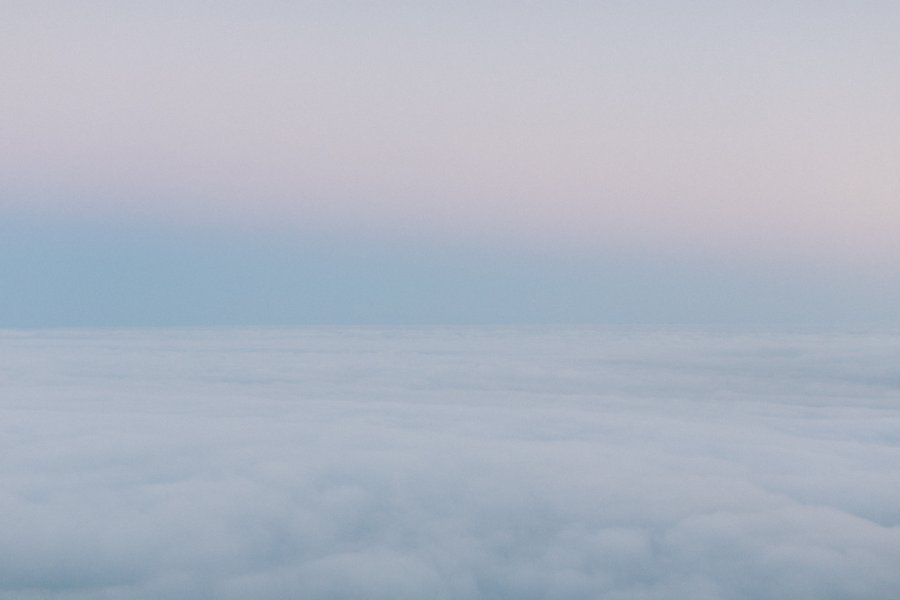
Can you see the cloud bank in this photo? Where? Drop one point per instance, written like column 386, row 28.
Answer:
column 449, row 463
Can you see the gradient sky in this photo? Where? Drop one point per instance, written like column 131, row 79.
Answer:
column 415, row 162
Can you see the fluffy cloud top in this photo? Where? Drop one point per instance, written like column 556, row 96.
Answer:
column 449, row 463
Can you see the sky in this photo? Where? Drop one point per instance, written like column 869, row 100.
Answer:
column 449, row 463
column 177, row 163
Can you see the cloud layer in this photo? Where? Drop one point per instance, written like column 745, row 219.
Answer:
column 449, row 463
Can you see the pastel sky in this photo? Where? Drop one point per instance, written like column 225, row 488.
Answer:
column 303, row 162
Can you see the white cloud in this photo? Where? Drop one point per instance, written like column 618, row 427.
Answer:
column 450, row 464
